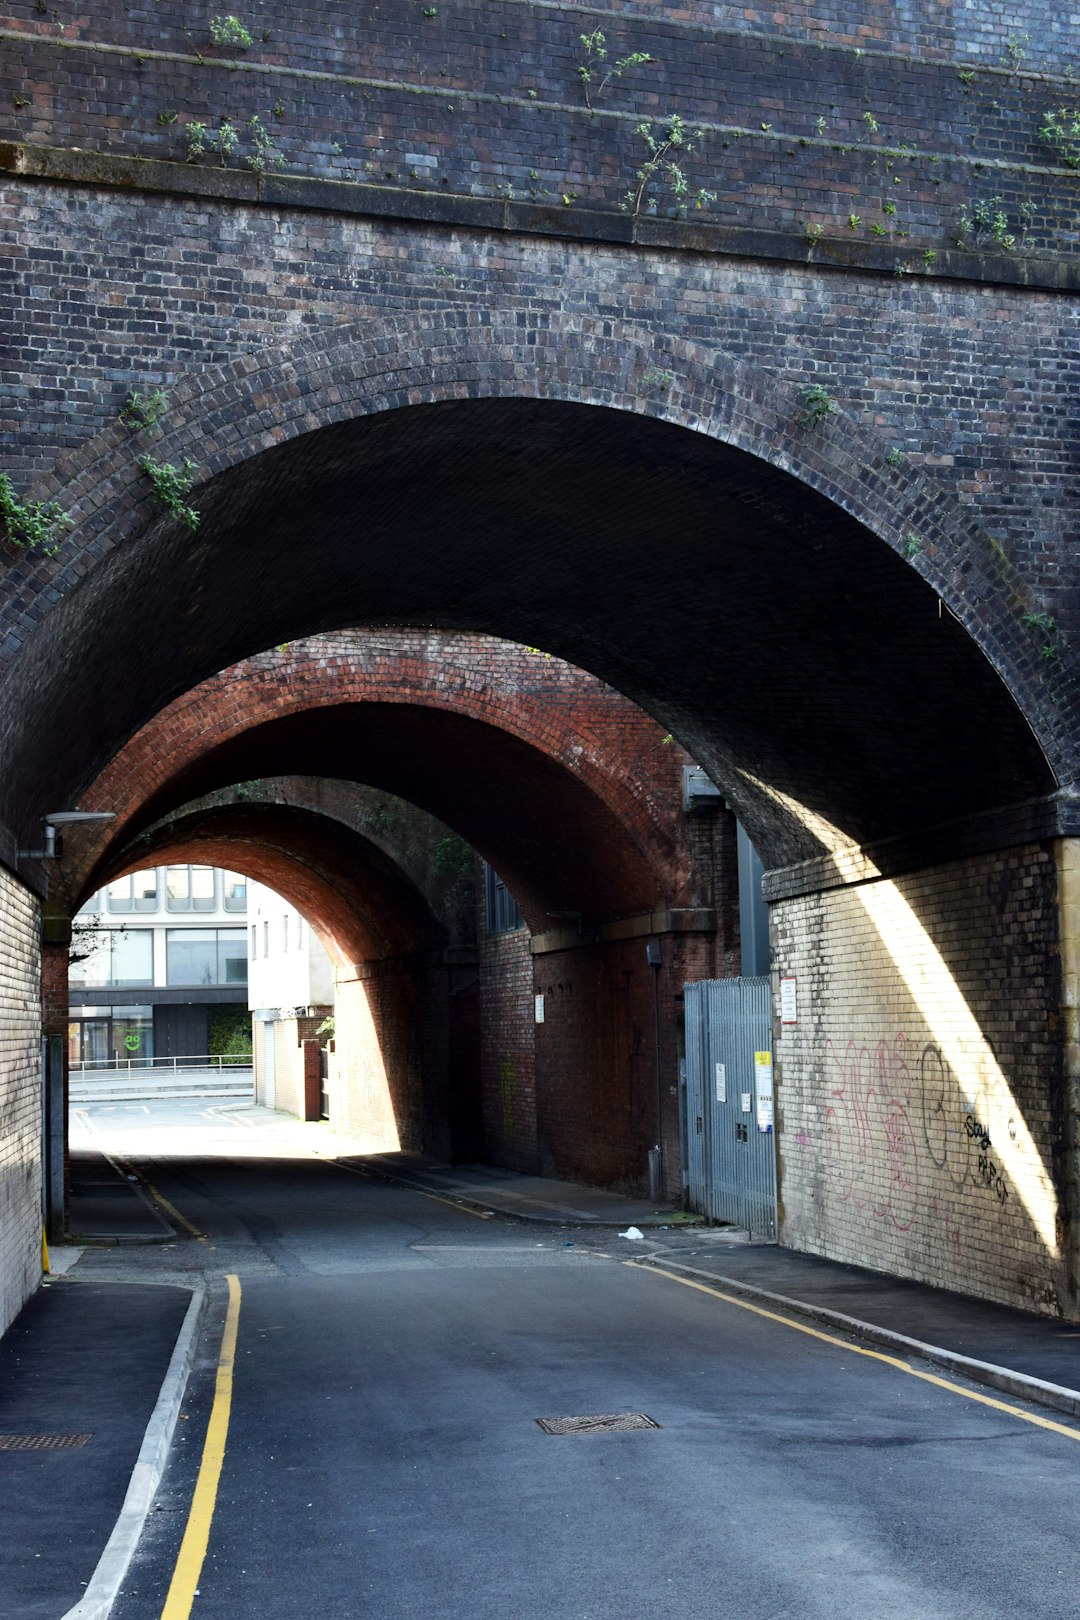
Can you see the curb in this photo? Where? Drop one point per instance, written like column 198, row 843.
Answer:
column 104, row 1585
column 482, row 1206
column 1002, row 1379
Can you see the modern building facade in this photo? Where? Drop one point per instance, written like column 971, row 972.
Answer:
column 159, row 966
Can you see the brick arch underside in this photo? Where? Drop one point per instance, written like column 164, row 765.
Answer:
column 538, row 780
column 790, row 648
column 362, row 905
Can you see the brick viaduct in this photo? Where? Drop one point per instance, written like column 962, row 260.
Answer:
column 793, row 473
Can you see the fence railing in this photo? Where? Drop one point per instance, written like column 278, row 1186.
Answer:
column 124, row 1065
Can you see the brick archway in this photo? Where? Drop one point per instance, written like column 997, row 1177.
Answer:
column 309, row 456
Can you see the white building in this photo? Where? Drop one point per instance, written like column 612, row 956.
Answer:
column 290, row 993
column 159, row 965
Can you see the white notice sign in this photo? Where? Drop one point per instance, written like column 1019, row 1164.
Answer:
column 789, row 1007
column 745, row 1096
column 763, row 1088
column 721, row 1083
column 539, row 1009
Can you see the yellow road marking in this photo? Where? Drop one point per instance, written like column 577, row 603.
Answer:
column 375, row 1175
column 126, row 1169
column 171, row 1210
column 859, row 1350
column 189, row 1560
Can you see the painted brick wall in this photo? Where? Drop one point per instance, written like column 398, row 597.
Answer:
column 20, row 1098
column 918, row 1090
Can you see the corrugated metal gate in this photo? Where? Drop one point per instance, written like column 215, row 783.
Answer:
column 728, row 1103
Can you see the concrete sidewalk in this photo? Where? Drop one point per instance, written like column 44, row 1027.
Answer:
column 82, row 1370
column 508, row 1192
column 1017, row 1352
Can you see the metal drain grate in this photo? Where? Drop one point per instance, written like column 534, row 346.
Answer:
column 42, row 1442
column 602, row 1423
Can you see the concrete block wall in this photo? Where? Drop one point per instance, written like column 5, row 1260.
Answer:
column 920, row 1107
column 20, row 1098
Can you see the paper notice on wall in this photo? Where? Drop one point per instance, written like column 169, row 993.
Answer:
column 789, row 1006
column 721, row 1083
column 745, row 1099
column 763, row 1090
column 538, row 1009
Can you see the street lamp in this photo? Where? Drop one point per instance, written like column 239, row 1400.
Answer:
column 52, row 846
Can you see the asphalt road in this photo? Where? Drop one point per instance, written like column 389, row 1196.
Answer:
column 383, row 1457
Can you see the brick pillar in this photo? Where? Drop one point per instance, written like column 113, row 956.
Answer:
column 312, row 1099
column 1068, row 867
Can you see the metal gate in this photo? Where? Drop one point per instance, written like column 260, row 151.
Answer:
column 728, row 1103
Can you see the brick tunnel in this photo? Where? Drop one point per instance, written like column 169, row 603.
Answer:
column 468, row 404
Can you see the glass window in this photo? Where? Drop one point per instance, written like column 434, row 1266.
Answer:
column 133, row 1038
column 189, row 888
column 502, row 913
column 253, row 940
column 132, row 956
column 234, row 891
column 202, row 888
column 119, row 894
column 266, row 939
column 232, row 958
column 191, row 956
column 205, row 956
column 136, row 892
column 285, row 932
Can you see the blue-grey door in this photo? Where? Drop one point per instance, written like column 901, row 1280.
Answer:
column 728, row 1101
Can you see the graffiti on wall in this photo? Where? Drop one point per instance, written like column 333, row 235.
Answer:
column 889, row 1109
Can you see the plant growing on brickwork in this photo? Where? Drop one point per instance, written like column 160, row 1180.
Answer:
column 596, row 55
column 816, row 405
column 229, row 30
column 141, row 412
column 326, row 1029
column 669, row 143
column 912, row 544
column 453, row 857
column 1016, row 48
column 265, row 153
column 30, row 525
column 661, row 381
column 1060, row 129
column 171, row 484
column 1043, row 625
column 984, row 223
column 894, row 457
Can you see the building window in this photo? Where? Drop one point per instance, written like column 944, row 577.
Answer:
column 233, row 891
column 189, row 888
column 136, row 892
column 266, row 940
column 120, row 957
column 502, row 914
column 253, row 940
column 196, row 956
column 299, row 933
column 285, row 932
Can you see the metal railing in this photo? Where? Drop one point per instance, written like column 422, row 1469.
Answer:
column 124, row 1065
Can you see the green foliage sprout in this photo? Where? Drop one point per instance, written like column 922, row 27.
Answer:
column 816, row 405
column 229, row 30
column 141, row 412
column 1060, row 129
column 171, row 484
column 596, row 48
column 669, row 143
column 30, row 525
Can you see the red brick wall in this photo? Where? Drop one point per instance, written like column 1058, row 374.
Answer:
column 508, row 1060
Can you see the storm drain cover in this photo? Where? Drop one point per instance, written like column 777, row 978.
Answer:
column 42, row 1442
column 602, row 1423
